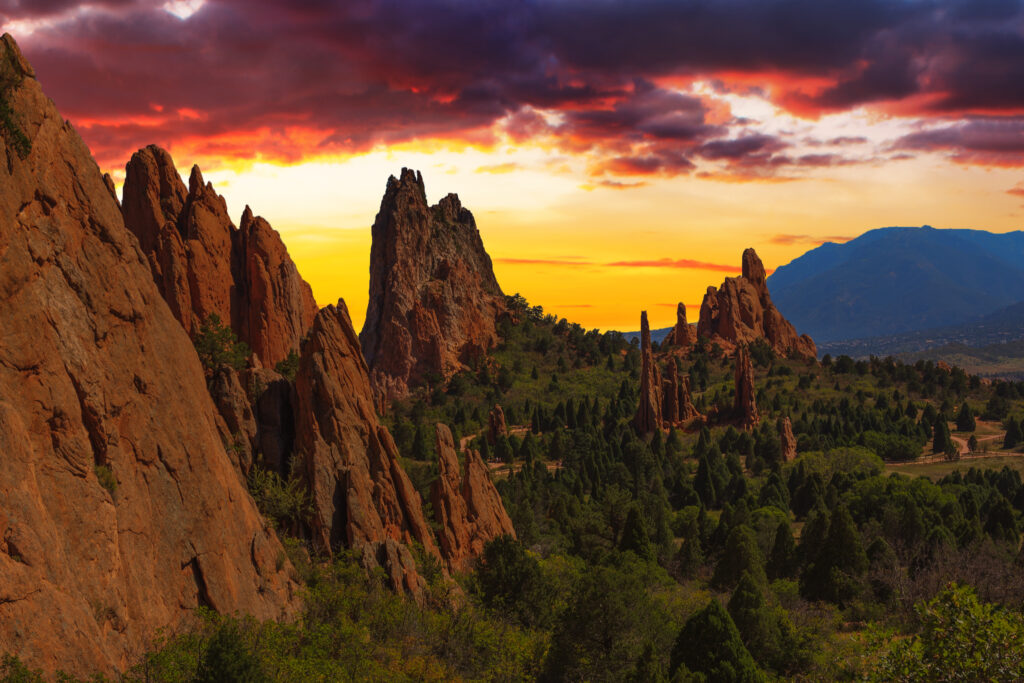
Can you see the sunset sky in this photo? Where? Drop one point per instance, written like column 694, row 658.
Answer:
column 618, row 155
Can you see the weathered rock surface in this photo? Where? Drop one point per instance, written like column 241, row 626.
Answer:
column 235, row 408
column 433, row 295
column 741, row 311
column 202, row 264
column 98, row 378
column 787, row 440
column 361, row 495
column 275, row 417
column 496, row 426
column 682, row 334
column 469, row 510
column 745, row 405
column 677, row 406
column 648, row 412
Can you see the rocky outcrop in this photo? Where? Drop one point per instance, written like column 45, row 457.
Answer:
column 745, row 405
column 787, row 440
column 682, row 334
column 648, row 412
column 362, row 498
column 496, row 426
column 468, row 510
column 741, row 311
column 203, row 265
column 677, row 405
column 433, row 295
column 240, row 428
column 121, row 511
column 275, row 417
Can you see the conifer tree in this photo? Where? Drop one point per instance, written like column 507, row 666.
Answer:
column 709, row 644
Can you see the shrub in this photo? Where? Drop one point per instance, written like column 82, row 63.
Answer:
column 106, row 477
column 218, row 346
column 289, row 366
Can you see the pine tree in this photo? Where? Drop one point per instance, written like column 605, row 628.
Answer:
column 838, row 571
column 965, row 419
column 710, row 644
column 1013, row 435
column 634, row 535
column 782, row 560
column 941, row 439
column 741, row 554
column 690, row 557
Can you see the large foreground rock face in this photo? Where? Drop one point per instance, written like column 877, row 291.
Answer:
column 362, row 497
column 203, row 265
column 741, row 311
column 433, row 295
column 468, row 509
column 120, row 511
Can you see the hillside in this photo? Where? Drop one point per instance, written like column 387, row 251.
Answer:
column 896, row 280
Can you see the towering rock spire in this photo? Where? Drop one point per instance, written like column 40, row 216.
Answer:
column 682, row 334
column 468, row 510
column 648, row 412
column 203, row 265
column 745, row 405
column 786, row 439
column 361, row 495
column 677, row 405
column 433, row 295
column 741, row 311
column 121, row 512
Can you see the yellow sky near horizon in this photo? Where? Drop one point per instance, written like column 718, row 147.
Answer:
column 541, row 208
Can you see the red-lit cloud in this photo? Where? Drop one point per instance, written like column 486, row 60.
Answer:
column 287, row 80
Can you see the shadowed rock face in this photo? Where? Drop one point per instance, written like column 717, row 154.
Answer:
column 744, row 404
column 361, row 495
column 787, row 440
column 648, row 412
column 433, row 295
column 469, row 510
column 202, row 264
column 677, row 406
column 98, row 381
column 741, row 311
column 496, row 426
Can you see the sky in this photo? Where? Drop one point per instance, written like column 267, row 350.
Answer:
column 618, row 155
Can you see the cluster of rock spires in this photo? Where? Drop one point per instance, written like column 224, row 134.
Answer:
column 125, row 504
column 204, row 265
column 663, row 403
column 434, row 300
column 737, row 314
column 741, row 311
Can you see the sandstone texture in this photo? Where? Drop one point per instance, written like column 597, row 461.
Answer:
column 648, row 413
column 787, row 440
column 203, row 264
column 741, row 311
column 468, row 509
column 121, row 509
column 745, row 405
column 433, row 299
column 362, row 498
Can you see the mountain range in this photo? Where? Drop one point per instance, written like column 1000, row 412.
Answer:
column 896, row 280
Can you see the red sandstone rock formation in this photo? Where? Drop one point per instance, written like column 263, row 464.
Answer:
column 433, row 296
column 677, row 406
column 121, row 511
column 235, row 409
column 202, row 264
column 741, row 311
column 469, row 512
column 362, row 498
column 744, row 404
column 496, row 424
column 648, row 412
column 682, row 334
column 787, row 439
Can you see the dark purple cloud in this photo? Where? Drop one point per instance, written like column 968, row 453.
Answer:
column 245, row 75
column 985, row 141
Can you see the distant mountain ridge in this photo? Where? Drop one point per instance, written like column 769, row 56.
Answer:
column 902, row 279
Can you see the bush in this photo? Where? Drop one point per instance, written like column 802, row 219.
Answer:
column 289, row 366
column 106, row 477
column 218, row 346
column 284, row 501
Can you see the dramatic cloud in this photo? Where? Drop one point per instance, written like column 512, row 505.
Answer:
column 284, row 80
column 985, row 141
